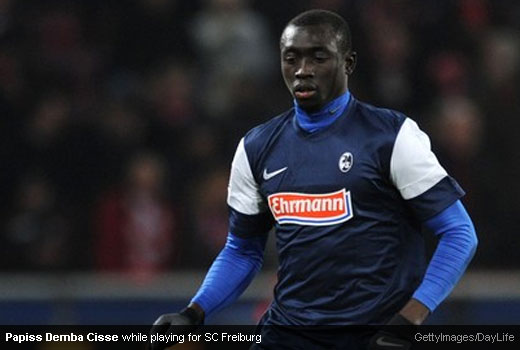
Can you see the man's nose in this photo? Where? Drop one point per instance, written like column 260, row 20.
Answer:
column 305, row 70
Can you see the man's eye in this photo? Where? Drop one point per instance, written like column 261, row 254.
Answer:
column 289, row 59
column 320, row 58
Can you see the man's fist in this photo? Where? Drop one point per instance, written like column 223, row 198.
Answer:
column 178, row 324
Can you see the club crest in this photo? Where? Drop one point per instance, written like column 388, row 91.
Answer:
column 345, row 162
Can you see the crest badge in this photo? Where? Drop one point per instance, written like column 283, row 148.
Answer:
column 345, row 162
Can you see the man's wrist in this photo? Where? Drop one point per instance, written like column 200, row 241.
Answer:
column 415, row 312
column 399, row 320
column 194, row 312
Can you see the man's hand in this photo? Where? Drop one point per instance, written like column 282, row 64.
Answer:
column 179, row 324
column 395, row 335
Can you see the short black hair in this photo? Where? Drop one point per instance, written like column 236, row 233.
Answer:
column 338, row 24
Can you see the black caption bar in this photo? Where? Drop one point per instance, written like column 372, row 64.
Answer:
column 253, row 337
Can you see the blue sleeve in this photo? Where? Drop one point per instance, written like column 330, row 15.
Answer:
column 231, row 272
column 457, row 245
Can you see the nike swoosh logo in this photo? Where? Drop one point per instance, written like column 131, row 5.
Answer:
column 270, row 175
column 382, row 342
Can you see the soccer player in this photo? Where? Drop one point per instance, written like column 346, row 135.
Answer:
column 347, row 187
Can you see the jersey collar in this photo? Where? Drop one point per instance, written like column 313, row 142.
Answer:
column 312, row 122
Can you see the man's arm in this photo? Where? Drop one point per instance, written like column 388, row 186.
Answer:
column 457, row 245
column 433, row 196
column 229, row 275
column 241, row 258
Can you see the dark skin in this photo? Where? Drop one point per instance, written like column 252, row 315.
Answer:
column 316, row 71
column 314, row 68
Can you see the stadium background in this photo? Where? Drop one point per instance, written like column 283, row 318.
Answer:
column 119, row 120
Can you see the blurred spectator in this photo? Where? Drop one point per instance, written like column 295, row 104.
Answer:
column 499, row 91
column 501, row 59
column 233, row 44
column 67, row 151
column 474, row 15
column 49, row 121
column 122, row 132
column 11, row 80
column 458, row 137
column 391, row 52
column 61, row 56
column 37, row 235
column 461, row 147
column 40, row 142
column 449, row 73
column 137, row 230
column 209, row 216
column 171, row 95
column 203, row 151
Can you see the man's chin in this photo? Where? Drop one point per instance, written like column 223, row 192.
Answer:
column 308, row 105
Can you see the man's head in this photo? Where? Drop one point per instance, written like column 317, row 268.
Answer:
column 316, row 58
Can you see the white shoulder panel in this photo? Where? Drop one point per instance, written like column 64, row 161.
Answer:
column 414, row 169
column 243, row 193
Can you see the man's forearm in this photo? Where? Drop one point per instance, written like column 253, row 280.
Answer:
column 230, row 274
column 456, row 247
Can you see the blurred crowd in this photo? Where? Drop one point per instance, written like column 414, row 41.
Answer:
column 119, row 119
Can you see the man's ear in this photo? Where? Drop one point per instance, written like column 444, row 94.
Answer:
column 350, row 62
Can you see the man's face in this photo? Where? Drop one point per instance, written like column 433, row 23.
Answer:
column 313, row 68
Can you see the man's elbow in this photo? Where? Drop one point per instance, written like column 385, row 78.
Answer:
column 472, row 241
column 473, row 244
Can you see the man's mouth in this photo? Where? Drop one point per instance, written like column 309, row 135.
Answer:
column 304, row 91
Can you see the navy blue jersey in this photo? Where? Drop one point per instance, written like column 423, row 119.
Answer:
column 347, row 204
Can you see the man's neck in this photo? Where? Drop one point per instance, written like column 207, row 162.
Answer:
column 315, row 121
